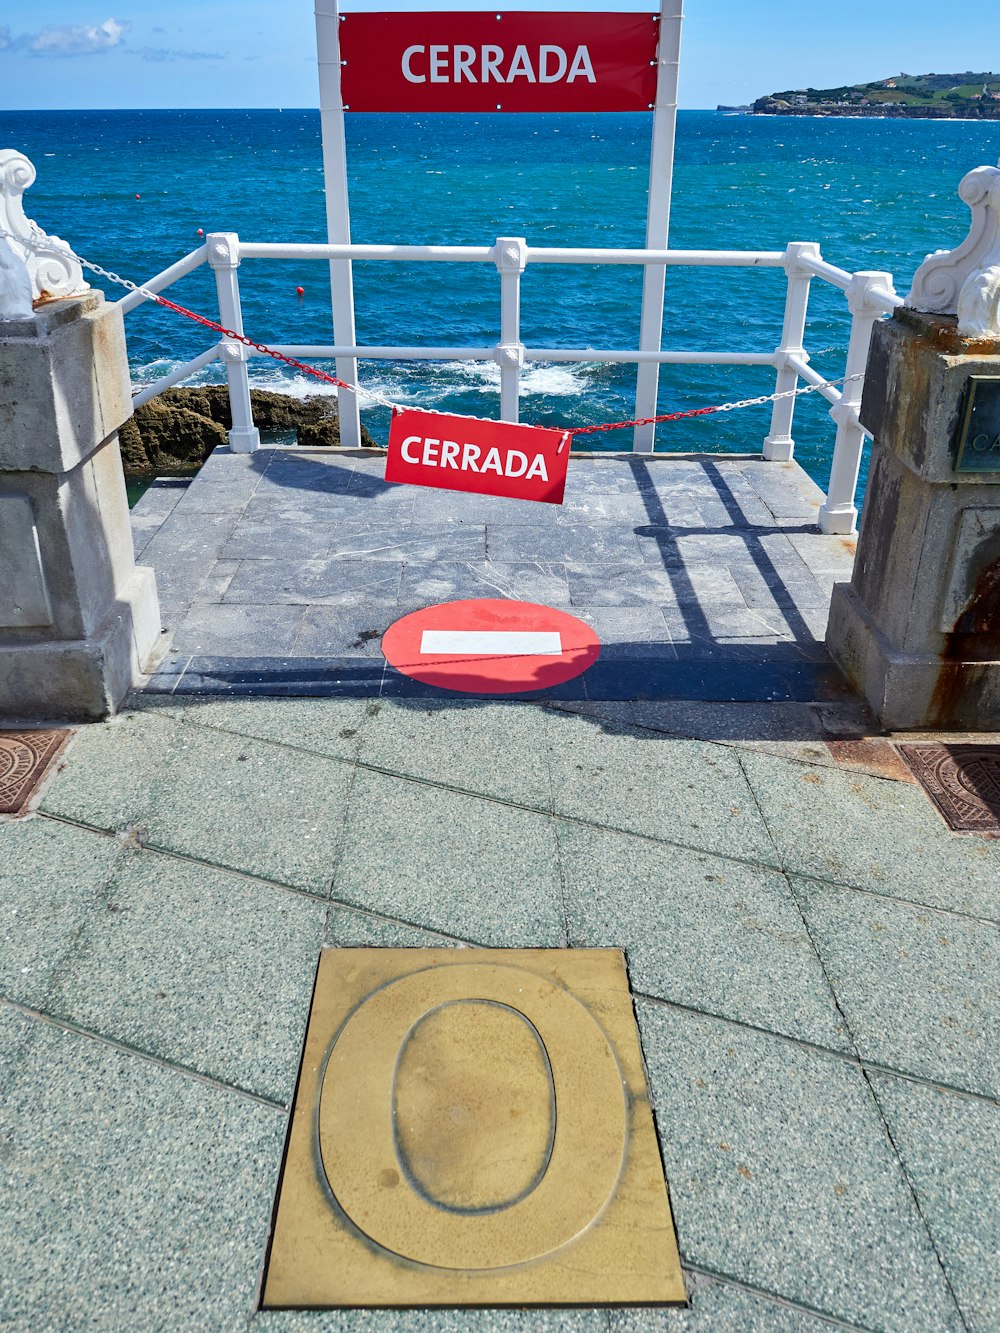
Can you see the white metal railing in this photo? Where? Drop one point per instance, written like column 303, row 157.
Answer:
column 870, row 295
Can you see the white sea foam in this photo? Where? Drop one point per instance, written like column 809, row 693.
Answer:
column 420, row 384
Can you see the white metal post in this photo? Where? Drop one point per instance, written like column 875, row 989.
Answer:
column 661, row 174
column 511, row 256
column 866, row 299
column 338, row 211
column 778, row 444
column 224, row 256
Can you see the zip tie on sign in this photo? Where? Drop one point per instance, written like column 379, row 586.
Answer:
column 395, row 408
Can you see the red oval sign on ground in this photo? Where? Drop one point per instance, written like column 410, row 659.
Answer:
column 491, row 646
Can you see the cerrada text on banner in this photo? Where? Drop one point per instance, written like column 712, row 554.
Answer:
column 468, row 454
column 509, row 61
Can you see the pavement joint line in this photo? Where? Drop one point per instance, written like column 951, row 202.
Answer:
column 562, row 889
column 814, row 1048
column 760, row 812
column 116, row 835
column 878, row 1107
column 953, row 912
column 457, row 940
column 822, row 966
column 331, row 883
column 915, row 1196
column 416, row 780
column 725, row 1280
column 78, row 1030
column 310, row 895
column 467, row 942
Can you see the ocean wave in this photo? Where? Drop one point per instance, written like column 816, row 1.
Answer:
column 429, row 384
column 147, row 374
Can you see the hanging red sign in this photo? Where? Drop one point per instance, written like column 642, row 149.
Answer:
column 499, row 61
column 488, row 457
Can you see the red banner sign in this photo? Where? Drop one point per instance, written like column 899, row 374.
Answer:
column 499, row 61
column 487, row 457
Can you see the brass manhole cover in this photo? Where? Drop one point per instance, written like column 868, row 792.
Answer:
column 963, row 781
column 25, row 757
column 472, row 1127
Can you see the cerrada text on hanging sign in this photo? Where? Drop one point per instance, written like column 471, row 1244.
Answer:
column 468, row 454
column 492, row 61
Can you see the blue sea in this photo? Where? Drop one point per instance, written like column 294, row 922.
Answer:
column 876, row 194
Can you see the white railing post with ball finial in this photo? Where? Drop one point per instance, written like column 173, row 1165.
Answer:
column 511, row 257
column 223, row 249
column 779, row 445
column 869, row 297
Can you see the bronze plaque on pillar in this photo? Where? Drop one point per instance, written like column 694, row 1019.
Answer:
column 472, row 1127
column 979, row 435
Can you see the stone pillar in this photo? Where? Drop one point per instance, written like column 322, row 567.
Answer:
column 78, row 620
column 917, row 630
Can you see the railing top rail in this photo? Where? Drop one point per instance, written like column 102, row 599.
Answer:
column 819, row 268
column 479, row 254
column 672, row 258
column 167, row 278
column 425, row 254
column 624, row 356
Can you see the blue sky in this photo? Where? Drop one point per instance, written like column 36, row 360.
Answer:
column 191, row 53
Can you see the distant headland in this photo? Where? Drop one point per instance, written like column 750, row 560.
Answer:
column 968, row 96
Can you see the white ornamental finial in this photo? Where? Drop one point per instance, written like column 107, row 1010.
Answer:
column 966, row 281
column 51, row 267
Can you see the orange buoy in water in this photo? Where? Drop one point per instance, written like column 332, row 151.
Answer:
column 300, row 291
column 138, row 196
column 201, row 231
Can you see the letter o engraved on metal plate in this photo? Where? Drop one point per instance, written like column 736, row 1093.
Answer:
column 472, row 1117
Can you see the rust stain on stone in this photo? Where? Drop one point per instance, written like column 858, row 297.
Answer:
column 942, row 335
column 25, row 758
column 870, row 755
column 974, row 638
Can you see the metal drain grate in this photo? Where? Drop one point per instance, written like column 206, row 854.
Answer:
column 963, row 781
column 25, row 757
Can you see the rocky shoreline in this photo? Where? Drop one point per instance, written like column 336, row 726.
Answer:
column 176, row 432
column 990, row 112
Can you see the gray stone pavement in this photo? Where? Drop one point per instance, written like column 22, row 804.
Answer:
column 812, row 952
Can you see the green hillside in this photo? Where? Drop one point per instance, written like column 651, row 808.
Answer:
column 971, row 93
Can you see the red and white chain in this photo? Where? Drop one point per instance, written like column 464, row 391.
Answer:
column 377, row 398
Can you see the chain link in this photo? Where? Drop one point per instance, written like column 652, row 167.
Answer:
column 208, row 323
column 723, row 407
column 378, row 399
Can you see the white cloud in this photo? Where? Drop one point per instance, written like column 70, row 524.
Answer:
column 78, row 39
column 161, row 53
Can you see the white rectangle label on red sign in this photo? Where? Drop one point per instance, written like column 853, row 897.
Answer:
column 499, row 643
column 484, row 457
column 511, row 61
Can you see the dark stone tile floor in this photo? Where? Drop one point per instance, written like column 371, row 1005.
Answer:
column 280, row 571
